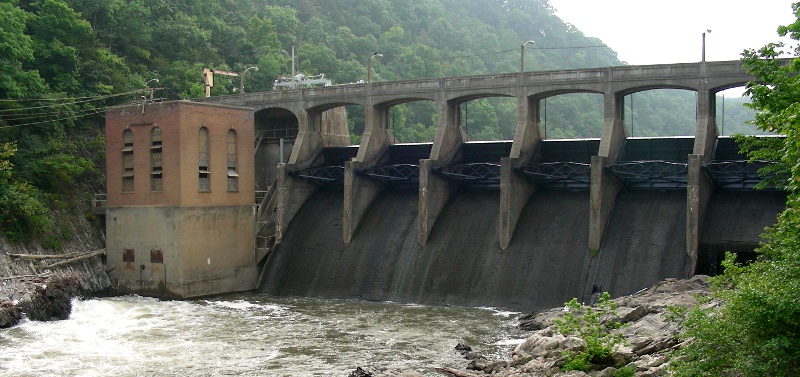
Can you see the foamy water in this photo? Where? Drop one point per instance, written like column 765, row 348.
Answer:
column 250, row 335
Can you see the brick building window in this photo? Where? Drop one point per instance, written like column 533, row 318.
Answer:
column 127, row 161
column 202, row 160
column 156, row 174
column 233, row 176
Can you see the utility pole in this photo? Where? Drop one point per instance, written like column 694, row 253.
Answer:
column 292, row 78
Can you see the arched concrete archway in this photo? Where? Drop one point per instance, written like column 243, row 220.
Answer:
column 275, row 132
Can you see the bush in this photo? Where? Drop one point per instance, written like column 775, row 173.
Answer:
column 595, row 326
column 626, row 371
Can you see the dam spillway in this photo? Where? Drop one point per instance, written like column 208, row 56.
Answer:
column 735, row 222
column 549, row 258
column 506, row 251
column 644, row 242
column 461, row 264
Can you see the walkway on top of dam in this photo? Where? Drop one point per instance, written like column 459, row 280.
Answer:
column 714, row 76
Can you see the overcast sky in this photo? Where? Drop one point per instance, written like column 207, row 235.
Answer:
column 659, row 32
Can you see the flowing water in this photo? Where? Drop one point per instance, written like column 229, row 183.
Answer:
column 250, row 335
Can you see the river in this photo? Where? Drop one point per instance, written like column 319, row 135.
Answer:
column 250, row 335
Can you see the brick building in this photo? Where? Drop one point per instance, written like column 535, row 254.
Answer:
column 180, row 213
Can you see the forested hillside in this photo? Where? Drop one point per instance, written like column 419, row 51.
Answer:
column 63, row 62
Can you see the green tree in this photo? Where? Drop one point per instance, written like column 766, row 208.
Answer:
column 756, row 331
column 16, row 48
column 481, row 121
column 22, row 213
column 285, row 21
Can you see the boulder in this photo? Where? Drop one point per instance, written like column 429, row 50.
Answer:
column 51, row 300
column 10, row 315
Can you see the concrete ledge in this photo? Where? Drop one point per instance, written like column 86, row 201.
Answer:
column 292, row 194
column 359, row 193
column 603, row 196
column 698, row 193
column 515, row 191
column 434, row 192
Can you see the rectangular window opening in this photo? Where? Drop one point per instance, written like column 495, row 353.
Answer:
column 233, row 180
column 128, row 256
column 204, row 181
column 156, row 182
column 156, row 256
column 127, row 183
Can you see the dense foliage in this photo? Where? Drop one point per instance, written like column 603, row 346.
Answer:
column 756, row 331
column 595, row 326
column 64, row 62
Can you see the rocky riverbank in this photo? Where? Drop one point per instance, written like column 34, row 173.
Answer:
column 648, row 330
column 42, row 288
column 649, row 336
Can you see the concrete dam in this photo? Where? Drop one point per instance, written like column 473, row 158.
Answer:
column 524, row 224
column 462, row 263
column 548, row 260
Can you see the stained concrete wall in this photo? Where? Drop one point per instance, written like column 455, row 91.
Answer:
column 461, row 264
column 644, row 242
column 205, row 250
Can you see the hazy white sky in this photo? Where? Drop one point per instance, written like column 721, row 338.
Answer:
column 670, row 31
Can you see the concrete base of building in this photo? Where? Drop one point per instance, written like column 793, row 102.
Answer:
column 181, row 252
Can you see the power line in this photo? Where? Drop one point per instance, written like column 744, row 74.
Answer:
column 42, row 115
column 45, row 99
column 90, row 112
column 569, row 48
column 83, row 100
column 58, row 110
column 517, row 49
column 477, row 55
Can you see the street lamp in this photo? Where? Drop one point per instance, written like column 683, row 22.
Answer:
column 522, row 55
column 704, row 44
column 241, row 79
column 369, row 65
column 147, row 85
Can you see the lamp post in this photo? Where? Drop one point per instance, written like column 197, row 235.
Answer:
column 147, row 85
column 369, row 65
column 241, row 79
column 522, row 55
column 704, row 45
column 147, row 88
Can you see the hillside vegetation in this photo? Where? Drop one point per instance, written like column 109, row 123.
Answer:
column 63, row 62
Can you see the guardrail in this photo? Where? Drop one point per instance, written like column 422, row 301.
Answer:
column 99, row 202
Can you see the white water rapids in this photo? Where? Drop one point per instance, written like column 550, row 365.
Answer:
column 250, row 335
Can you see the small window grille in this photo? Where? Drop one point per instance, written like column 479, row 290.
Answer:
column 127, row 161
column 204, row 184
column 156, row 171
column 233, row 176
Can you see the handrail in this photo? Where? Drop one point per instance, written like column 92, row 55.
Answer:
column 99, row 200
